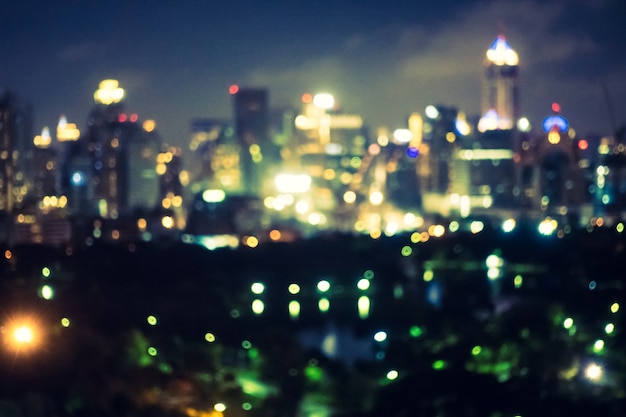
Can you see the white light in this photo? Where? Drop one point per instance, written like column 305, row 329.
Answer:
column 432, row 112
column 376, row 198
column 292, row 183
column 402, row 135
column 508, row 225
column 324, row 100
column 213, row 196
column 380, row 336
column 593, row 372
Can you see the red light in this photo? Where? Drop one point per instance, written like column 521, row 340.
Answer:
column 307, row 98
column 583, row 144
column 121, row 118
column 556, row 107
column 233, row 89
column 133, row 117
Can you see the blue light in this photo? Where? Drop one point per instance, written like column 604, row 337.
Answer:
column 558, row 121
column 78, row 178
column 412, row 152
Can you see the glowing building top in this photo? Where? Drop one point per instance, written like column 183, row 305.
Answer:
column 109, row 92
column 500, row 101
column 501, row 53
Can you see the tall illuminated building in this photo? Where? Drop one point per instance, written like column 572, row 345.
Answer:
column 109, row 171
column 252, row 132
column 500, row 100
column 15, row 141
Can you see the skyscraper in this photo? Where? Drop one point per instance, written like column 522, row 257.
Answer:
column 252, row 131
column 500, row 101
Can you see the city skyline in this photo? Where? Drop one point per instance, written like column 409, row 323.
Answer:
column 380, row 61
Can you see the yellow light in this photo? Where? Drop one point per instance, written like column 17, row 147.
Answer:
column 294, row 289
column 363, row 306
column 149, row 125
column 323, row 305
column 251, row 241
column 294, row 309
column 258, row 306
column 220, row 407
column 349, row 197
column 614, row 308
column 554, row 137
column 108, row 92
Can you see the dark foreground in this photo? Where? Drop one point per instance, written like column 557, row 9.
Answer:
column 170, row 330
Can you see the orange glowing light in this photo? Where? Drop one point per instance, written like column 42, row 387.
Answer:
column 21, row 334
column 233, row 89
column 583, row 145
column 556, row 107
column 133, row 117
column 307, row 98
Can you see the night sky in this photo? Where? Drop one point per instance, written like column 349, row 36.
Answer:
column 381, row 59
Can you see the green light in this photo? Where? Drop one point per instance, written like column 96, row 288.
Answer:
column 314, row 373
column 165, row 368
column 598, row 346
column 369, row 274
column 407, row 251
column 152, row 351
column 209, row 337
column 47, row 292
column 415, row 331
column 65, row 322
column 152, row 320
column 568, row 323
column 45, row 272
column 619, row 227
column 614, row 308
column 476, row 350
column 609, row 328
column 439, row 364
column 246, row 406
column 324, row 305
column 518, row 281
column 428, row 275
column 246, row 344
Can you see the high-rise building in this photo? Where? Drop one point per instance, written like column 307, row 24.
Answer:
column 500, row 100
column 252, row 132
